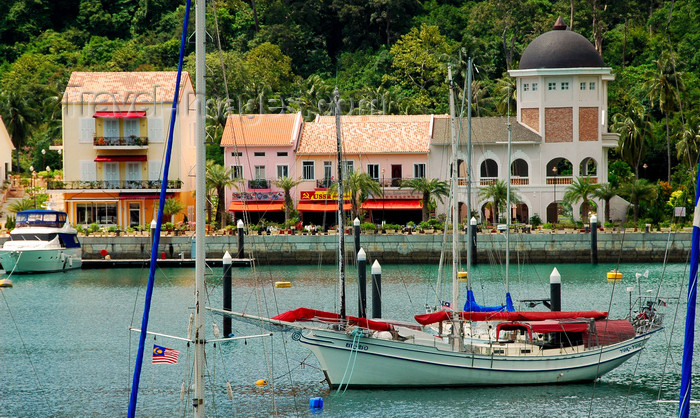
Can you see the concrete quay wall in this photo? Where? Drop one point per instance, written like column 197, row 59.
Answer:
column 403, row 249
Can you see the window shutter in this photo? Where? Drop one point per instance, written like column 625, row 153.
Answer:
column 154, row 170
column 87, row 130
column 155, row 129
column 88, row 170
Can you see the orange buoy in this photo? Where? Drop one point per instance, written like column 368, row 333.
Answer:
column 261, row 382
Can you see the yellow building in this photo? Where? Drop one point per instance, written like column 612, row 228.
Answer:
column 115, row 131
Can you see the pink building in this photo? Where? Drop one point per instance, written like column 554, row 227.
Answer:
column 260, row 149
column 389, row 148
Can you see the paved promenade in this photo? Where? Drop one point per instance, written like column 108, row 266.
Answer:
column 547, row 247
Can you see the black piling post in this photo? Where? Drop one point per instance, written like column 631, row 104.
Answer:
column 472, row 224
column 555, row 290
column 594, row 239
column 240, row 226
column 356, row 233
column 376, row 290
column 362, row 283
column 227, row 263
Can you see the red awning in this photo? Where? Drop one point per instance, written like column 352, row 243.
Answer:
column 147, row 196
column 119, row 158
column 542, row 327
column 237, row 206
column 434, row 317
column 395, row 204
column 123, row 114
column 321, row 207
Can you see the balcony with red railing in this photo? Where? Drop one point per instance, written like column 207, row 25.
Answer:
column 120, row 142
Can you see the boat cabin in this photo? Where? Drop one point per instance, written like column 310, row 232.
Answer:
column 41, row 218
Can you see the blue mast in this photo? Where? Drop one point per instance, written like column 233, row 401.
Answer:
column 159, row 222
column 687, row 365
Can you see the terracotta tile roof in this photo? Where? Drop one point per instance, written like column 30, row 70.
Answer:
column 123, row 87
column 261, row 130
column 374, row 134
column 484, row 130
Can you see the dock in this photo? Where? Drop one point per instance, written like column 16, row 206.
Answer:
column 168, row 262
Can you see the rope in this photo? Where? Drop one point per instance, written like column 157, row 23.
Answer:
column 356, row 334
column 42, row 391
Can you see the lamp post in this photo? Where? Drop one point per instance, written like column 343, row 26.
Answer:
column 556, row 205
column 60, row 156
column 645, row 169
column 31, row 168
column 43, row 156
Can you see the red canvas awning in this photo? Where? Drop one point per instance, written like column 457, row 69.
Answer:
column 122, row 114
column 237, row 206
column 542, row 327
column 321, row 207
column 394, row 204
column 119, row 158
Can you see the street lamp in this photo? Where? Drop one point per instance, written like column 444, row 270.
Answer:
column 645, row 169
column 31, row 168
column 556, row 205
column 43, row 155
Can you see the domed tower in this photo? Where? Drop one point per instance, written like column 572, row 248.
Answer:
column 562, row 96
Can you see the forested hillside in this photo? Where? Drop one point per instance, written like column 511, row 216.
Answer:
column 385, row 56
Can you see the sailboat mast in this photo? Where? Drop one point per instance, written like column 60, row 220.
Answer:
column 508, row 215
column 341, row 213
column 469, row 170
column 689, row 343
column 453, row 186
column 200, row 187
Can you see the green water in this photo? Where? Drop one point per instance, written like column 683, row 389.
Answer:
column 65, row 348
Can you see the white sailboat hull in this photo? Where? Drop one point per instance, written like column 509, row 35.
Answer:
column 386, row 363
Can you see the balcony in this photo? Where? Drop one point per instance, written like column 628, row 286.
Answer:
column 111, row 184
column 519, row 181
column 258, row 184
column 120, row 141
column 561, row 180
column 487, row 181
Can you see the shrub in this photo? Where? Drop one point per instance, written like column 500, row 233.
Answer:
column 425, row 225
column 535, row 220
column 548, row 225
column 368, row 226
column 10, row 224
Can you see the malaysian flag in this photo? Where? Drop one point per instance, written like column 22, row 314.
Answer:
column 164, row 355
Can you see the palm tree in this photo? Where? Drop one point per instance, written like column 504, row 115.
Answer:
column 638, row 191
column 360, row 186
column 427, row 188
column 496, row 194
column 664, row 84
column 605, row 192
column 218, row 179
column 581, row 189
column 505, row 94
column 172, row 207
column 688, row 145
column 286, row 184
column 19, row 118
column 633, row 127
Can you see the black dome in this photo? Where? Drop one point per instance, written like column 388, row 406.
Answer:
column 560, row 49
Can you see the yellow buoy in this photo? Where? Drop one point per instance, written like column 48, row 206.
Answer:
column 5, row 283
column 462, row 276
column 261, row 382
column 614, row 275
column 283, row 284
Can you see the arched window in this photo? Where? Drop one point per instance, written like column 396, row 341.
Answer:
column 489, row 168
column 588, row 167
column 519, row 168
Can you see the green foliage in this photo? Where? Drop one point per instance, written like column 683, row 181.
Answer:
column 10, row 223
column 535, row 220
column 368, row 226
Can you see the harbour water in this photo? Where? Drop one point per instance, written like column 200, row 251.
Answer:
column 65, row 347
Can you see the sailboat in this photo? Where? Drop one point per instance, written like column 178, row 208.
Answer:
column 196, row 334
column 526, row 348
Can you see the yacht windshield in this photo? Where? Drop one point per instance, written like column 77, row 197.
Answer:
column 51, row 220
column 32, row 237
